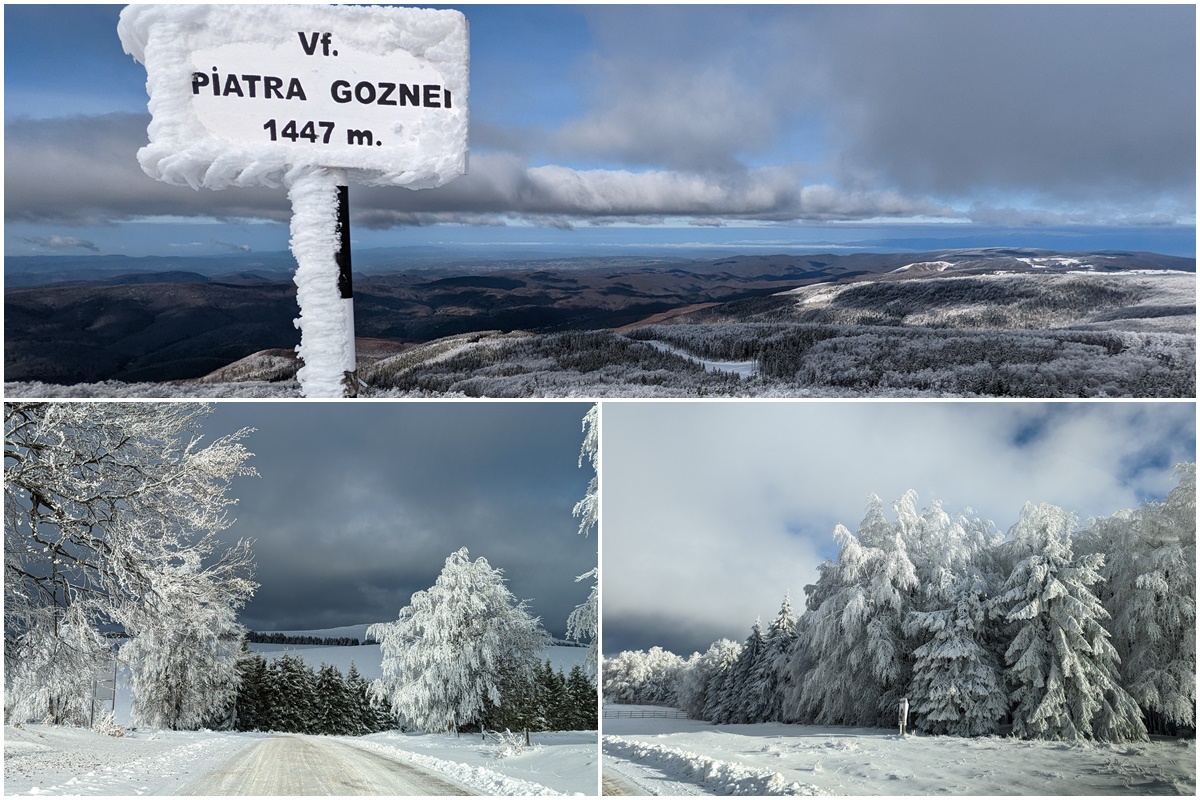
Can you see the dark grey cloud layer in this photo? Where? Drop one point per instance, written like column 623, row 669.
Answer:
column 357, row 505
column 1000, row 115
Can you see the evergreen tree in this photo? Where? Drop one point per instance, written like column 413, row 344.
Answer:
column 366, row 715
column 780, row 637
column 1062, row 668
column 739, row 703
column 721, row 670
column 293, row 695
column 958, row 685
column 252, row 712
column 696, row 679
column 581, row 704
column 1149, row 590
column 860, row 666
column 334, row 711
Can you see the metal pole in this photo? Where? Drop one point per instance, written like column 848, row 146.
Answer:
column 346, row 283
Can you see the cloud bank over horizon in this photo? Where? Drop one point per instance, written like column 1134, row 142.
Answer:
column 766, row 115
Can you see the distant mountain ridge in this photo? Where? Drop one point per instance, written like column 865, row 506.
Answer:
column 90, row 319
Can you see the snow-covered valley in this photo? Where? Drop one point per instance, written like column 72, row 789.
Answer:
column 692, row 757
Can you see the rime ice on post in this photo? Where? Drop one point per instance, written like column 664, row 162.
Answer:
column 307, row 98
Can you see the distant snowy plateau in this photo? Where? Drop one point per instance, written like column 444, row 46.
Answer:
column 679, row 757
column 43, row 759
column 962, row 323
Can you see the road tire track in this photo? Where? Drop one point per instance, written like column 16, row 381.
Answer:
column 316, row 765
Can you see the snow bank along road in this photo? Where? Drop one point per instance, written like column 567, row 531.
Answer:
column 309, row 765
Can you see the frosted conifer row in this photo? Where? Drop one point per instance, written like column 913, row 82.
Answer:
column 326, row 321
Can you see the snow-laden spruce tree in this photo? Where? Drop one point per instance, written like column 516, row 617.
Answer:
column 454, row 645
column 957, row 685
column 743, row 698
column 780, row 638
column 1062, row 668
column 97, row 498
column 584, row 622
column 698, row 673
column 185, row 639
column 1149, row 590
column 859, row 662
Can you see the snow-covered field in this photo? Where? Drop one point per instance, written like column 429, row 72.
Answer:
column 691, row 757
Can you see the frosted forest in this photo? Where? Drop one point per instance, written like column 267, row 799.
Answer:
column 1056, row 630
column 112, row 559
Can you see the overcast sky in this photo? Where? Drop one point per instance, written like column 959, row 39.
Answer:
column 357, row 505
column 712, row 511
column 743, row 126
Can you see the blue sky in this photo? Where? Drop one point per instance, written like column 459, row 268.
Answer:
column 712, row 511
column 782, row 127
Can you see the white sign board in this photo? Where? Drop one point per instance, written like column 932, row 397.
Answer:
column 241, row 94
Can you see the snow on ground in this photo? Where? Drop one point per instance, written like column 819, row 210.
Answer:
column 681, row 756
column 556, row 763
column 43, row 759
column 743, row 369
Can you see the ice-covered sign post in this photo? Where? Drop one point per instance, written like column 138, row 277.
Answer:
column 308, row 98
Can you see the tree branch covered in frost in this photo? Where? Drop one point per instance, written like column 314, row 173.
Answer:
column 584, row 621
column 104, row 502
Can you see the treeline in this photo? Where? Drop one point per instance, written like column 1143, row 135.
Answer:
column 869, row 359
column 552, row 701
column 286, row 695
column 283, row 638
column 802, row 359
column 1059, row 632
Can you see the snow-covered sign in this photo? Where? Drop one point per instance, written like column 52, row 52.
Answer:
column 240, row 94
column 310, row 98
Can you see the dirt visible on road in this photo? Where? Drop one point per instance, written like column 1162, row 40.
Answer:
column 313, row 765
column 612, row 786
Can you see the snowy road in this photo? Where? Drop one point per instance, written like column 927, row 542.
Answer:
column 309, row 765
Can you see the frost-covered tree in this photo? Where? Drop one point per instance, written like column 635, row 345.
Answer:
column 742, row 698
column 1149, row 590
column 1062, row 668
column 780, row 638
column 98, row 498
column 698, row 672
column 722, row 667
column 588, row 509
column 957, row 685
column 292, row 695
column 251, row 704
column 636, row 676
column 584, row 621
column 859, row 666
column 185, row 639
column 446, row 657
column 50, row 669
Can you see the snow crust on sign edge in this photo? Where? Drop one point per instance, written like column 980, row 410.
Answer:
column 182, row 151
